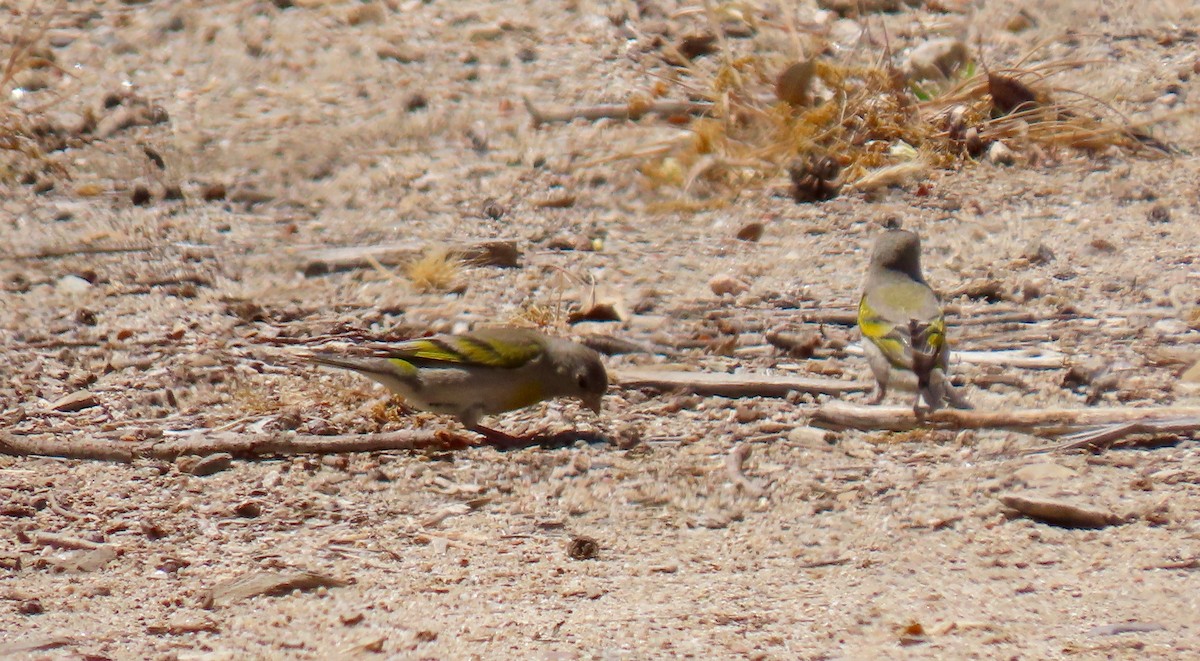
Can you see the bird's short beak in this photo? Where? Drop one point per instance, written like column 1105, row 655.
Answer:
column 595, row 403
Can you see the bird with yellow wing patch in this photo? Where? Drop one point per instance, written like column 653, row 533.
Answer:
column 904, row 330
column 485, row 372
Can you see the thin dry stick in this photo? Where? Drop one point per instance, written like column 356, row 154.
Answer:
column 788, row 11
column 385, row 271
column 610, row 345
column 503, row 253
column 1007, row 317
column 834, row 314
column 240, row 445
column 1189, row 563
column 250, row 445
column 59, row 509
column 33, row 644
column 1017, row 358
column 733, row 467
column 1014, row 358
column 733, row 385
column 63, row 541
column 78, row 250
column 616, row 111
column 714, row 24
column 27, row 36
column 257, row 445
column 62, row 343
column 1108, row 436
column 830, row 317
column 829, row 562
column 841, row 415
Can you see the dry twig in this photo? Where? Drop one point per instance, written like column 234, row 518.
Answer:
column 842, row 415
column 33, row 644
column 1013, row 358
column 1010, row 358
column 1109, row 435
column 250, row 445
column 733, row 467
column 627, row 111
column 257, row 583
column 827, row 562
column 239, row 445
column 64, row 541
column 733, row 385
column 501, row 252
column 1060, row 512
column 72, row 251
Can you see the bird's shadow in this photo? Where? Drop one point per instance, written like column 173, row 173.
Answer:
column 557, row 440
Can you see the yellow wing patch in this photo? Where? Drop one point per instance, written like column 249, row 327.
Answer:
column 894, row 341
column 403, row 367
column 878, row 330
column 936, row 335
column 467, row 350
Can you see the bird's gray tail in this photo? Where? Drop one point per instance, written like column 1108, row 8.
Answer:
column 928, row 364
column 925, row 357
column 367, row 366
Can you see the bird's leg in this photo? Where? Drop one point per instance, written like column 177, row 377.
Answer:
column 920, row 411
column 497, row 438
column 933, row 400
column 880, row 393
column 956, row 398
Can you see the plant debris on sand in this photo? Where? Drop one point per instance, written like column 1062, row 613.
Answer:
column 834, row 117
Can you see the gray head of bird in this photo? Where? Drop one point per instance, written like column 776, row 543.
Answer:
column 578, row 373
column 898, row 250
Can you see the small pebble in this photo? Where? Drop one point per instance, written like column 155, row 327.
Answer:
column 936, row 59
column 999, row 154
column 727, row 284
column 251, row 509
column 76, row 401
column 73, row 284
column 1043, row 472
column 811, row 437
column 751, row 232
column 583, row 548
column 212, row 464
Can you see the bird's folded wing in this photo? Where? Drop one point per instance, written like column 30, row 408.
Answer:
column 468, row 350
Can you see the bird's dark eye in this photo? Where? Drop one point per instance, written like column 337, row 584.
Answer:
column 583, row 382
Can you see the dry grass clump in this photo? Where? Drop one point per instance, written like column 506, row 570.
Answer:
column 15, row 141
column 24, row 65
column 543, row 317
column 15, row 144
column 869, row 119
column 438, row 270
column 552, row 311
column 1019, row 105
column 390, row 410
column 829, row 123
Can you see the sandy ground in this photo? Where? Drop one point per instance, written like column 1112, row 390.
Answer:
column 358, row 124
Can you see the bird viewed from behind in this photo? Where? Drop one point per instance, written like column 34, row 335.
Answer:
column 485, row 372
column 903, row 327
